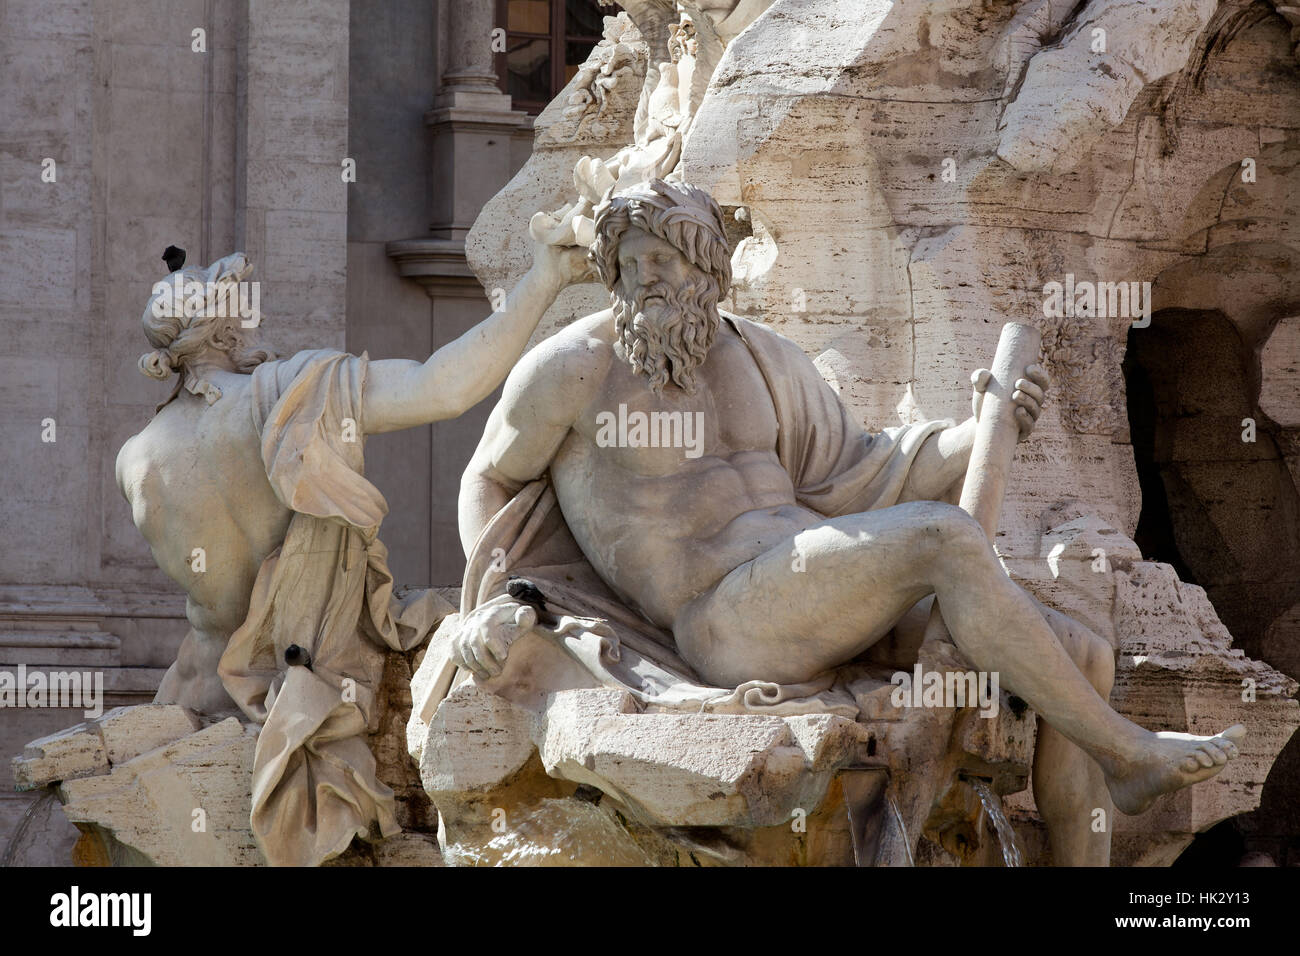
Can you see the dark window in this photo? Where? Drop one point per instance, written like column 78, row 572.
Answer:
column 546, row 42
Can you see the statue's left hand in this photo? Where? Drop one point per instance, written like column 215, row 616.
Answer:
column 1029, row 394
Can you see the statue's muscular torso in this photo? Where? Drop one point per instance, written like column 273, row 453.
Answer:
column 194, row 478
column 658, row 526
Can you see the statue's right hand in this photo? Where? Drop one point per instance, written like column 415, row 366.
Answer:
column 486, row 635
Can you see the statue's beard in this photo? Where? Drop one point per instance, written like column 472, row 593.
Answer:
column 671, row 341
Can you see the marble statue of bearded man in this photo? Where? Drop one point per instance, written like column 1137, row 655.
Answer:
column 742, row 569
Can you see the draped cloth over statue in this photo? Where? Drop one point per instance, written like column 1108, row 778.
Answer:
column 328, row 590
column 837, row 468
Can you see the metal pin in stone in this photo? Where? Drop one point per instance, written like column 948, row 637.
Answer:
column 174, row 257
column 521, row 589
column 296, row 656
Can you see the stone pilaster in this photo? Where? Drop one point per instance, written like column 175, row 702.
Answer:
column 474, row 129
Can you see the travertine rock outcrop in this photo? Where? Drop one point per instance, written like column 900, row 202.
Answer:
column 908, row 177
column 588, row 778
column 156, row 785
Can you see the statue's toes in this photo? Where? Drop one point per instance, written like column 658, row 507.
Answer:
column 1215, row 752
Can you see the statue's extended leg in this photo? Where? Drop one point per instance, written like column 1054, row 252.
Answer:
column 1069, row 787
column 822, row 596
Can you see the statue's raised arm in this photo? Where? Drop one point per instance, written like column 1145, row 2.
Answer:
column 400, row 393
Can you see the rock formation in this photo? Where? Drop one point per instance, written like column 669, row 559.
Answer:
column 900, row 180
column 907, row 177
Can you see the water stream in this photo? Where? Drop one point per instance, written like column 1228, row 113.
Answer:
column 15, row 841
column 902, row 829
column 1011, row 855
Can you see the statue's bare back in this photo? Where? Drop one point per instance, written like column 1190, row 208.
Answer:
column 194, row 478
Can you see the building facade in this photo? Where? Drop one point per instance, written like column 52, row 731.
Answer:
column 347, row 148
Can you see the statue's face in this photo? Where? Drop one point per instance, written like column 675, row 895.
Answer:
column 665, row 310
column 649, row 268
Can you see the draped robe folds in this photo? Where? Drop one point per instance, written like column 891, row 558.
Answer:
column 837, row 468
column 328, row 590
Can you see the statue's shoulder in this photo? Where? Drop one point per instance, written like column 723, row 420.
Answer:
column 758, row 335
column 166, row 437
column 169, row 426
column 272, row 377
column 739, row 321
column 590, row 331
column 290, row 367
column 566, row 363
column 585, row 341
column 748, row 328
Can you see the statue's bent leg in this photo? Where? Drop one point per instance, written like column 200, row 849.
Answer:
column 811, row 602
column 820, row 597
column 1069, row 788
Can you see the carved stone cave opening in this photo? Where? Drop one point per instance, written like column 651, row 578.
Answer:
column 1225, row 512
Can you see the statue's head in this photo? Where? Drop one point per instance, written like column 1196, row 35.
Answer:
column 194, row 318
column 661, row 251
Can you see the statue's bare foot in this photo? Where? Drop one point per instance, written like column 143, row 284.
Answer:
column 1172, row 761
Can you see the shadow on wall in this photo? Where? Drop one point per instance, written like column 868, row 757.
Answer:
column 1224, row 511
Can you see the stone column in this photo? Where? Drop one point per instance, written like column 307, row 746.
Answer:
column 474, row 132
column 478, row 142
column 475, row 148
column 470, row 67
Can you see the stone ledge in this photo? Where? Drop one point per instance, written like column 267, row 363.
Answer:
column 96, row 746
column 437, row 264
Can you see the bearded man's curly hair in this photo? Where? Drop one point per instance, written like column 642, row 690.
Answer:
column 685, row 216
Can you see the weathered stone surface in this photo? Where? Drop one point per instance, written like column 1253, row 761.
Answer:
column 475, row 742
column 408, row 850
column 184, row 804
column 1279, row 370
column 393, row 765
column 75, row 752
column 738, row 779
column 1178, row 671
column 1074, row 571
column 131, row 731
column 96, row 745
column 571, row 721
column 1066, row 98
column 921, row 174
column 707, row 770
column 142, row 806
